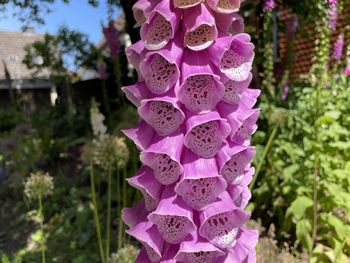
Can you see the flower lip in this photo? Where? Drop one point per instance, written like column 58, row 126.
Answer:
column 160, row 68
column 235, row 89
column 142, row 10
column 233, row 161
column 233, row 55
column 162, row 113
column 231, row 24
column 225, row 6
column 135, row 54
column 201, row 88
column 244, row 250
column 242, row 121
column 136, row 92
column 161, row 25
column 220, row 222
column 164, row 156
column 173, row 217
column 201, row 183
column 199, row 28
column 186, row 3
column 148, row 235
column 150, row 188
column 134, row 215
column 142, row 135
column 196, row 249
column 206, row 133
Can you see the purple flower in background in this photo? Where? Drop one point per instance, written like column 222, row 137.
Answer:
column 333, row 13
column 8, row 146
column 112, row 37
column 285, row 91
column 347, row 71
column 338, row 48
column 269, row 5
column 196, row 120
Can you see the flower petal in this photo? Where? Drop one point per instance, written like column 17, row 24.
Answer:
column 134, row 215
column 164, row 156
column 142, row 10
column 199, row 27
column 150, row 188
column 200, row 184
column 234, row 89
column 220, row 222
column 233, row 160
column 141, row 135
column 224, row 6
column 195, row 249
column 147, row 234
column 201, row 89
column 231, row 24
column 142, row 257
column 186, row 3
column 233, row 55
column 160, row 68
column 135, row 54
column 174, row 219
column 169, row 253
column 162, row 113
column 161, row 25
column 137, row 92
column 242, row 121
column 206, row 133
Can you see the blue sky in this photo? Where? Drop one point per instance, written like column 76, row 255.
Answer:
column 77, row 15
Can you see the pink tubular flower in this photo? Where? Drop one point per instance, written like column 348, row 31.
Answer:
column 333, row 13
column 338, row 48
column 112, row 37
column 196, row 120
column 269, row 5
column 347, row 71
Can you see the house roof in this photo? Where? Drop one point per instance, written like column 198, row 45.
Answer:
column 12, row 53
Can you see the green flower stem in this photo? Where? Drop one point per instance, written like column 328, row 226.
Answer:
column 109, row 207
column 106, row 101
column 96, row 216
column 43, row 240
column 124, row 197
column 316, row 172
column 263, row 157
column 119, row 200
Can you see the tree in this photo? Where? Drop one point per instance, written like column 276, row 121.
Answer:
column 57, row 54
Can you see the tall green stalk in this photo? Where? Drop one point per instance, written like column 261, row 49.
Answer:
column 124, row 197
column 43, row 240
column 106, row 101
column 96, row 216
column 263, row 156
column 120, row 221
column 109, row 208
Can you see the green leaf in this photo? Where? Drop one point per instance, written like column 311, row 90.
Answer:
column 339, row 226
column 298, row 207
column 5, row 259
column 303, row 230
column 37, row 236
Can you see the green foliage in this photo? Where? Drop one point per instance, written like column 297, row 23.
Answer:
column 290, row 168
column 9, row 118
column 54, row 51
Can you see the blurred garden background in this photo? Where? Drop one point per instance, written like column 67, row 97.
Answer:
column 62, row 66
